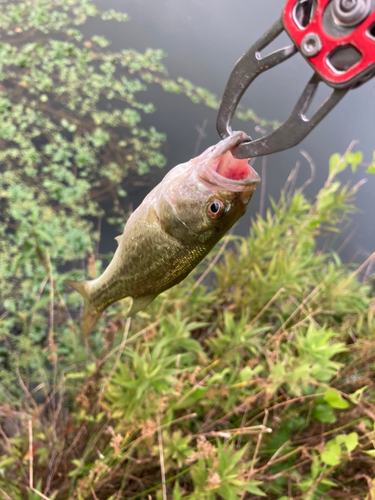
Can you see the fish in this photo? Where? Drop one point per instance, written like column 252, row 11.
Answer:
column 173, row 229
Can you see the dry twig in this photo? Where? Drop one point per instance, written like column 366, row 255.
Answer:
column 31, row 463
column 161, row 454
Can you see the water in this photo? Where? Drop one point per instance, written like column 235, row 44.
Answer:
column 203, row 40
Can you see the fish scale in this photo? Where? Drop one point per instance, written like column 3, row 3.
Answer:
column 172, row 230
column 169, row 261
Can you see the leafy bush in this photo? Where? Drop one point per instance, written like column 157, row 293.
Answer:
column 261, row 386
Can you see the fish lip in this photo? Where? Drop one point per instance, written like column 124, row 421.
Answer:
column 226, row 144
column 208, row 174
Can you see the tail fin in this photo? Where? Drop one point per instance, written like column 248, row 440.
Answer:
column 90, row 315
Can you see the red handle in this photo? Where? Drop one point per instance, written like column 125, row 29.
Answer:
column 360, row 38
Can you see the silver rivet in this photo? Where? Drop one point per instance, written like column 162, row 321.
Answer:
column 350, row 12
column 348, row 5
column 311, row 45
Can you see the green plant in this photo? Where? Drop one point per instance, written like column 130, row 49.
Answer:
column 261, row 386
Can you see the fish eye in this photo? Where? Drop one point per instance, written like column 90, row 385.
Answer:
column 215, row 209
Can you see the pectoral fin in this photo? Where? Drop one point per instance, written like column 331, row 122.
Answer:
column 140, row 303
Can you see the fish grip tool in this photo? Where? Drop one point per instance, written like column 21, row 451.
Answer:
column 337, row 39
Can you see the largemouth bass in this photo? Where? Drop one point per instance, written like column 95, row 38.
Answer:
column 173, row 229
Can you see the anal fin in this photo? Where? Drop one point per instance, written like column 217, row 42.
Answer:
column 140, row 303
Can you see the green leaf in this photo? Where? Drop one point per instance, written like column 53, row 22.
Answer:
column 356, row 396
column 324, row 413
column 369, row 452
column 253, row 488
column 76, row 375
column 334, row 399
column 337, row 164
column 315, row 467
column 246, row 374
column 194, row 397
column 7, row 461
column 10, row 305
column 327, row 482
column 354, row 159
column 339, row 439
column 331, row 456
column 351, row 441
column 177, row 495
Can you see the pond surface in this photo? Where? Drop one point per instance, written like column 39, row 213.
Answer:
column 203, row 40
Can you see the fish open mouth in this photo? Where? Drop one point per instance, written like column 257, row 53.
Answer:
column 222, row 169
column 231, row 168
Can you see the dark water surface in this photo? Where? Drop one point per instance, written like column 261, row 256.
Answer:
column 203, row 40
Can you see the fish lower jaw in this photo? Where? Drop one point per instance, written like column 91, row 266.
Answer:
column 250, row 179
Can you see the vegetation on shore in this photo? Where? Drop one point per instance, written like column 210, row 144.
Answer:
column 262, row 383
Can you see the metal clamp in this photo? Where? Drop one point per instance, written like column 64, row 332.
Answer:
column 297, row 126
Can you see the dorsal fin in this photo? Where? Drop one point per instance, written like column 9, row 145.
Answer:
column 118, row 239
